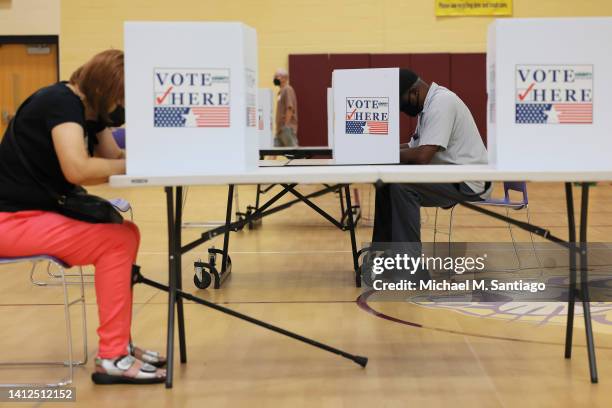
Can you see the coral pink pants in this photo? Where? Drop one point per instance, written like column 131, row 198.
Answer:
column 112, row 248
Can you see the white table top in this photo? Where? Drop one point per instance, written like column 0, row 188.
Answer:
column 311, row 171
column 281, row 148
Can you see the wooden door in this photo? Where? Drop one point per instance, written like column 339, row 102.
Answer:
column 24, row 68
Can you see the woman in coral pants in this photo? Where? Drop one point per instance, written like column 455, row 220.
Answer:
column 62, row 133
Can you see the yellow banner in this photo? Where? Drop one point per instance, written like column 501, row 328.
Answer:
column 473, row 7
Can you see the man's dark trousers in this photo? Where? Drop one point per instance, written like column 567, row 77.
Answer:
column 397, row 216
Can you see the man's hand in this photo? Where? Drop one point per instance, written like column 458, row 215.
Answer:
column 417, row 155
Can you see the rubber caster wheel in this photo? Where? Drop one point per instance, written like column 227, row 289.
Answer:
column 204, row 282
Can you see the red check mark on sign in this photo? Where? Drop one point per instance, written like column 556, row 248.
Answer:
column 160, row 99
column 524, row 95
column 351, row 115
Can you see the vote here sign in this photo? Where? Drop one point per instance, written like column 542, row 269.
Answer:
column 367, row 115
column 191, row 97
column 554, row 94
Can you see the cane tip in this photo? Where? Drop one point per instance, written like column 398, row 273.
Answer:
column 362, row 361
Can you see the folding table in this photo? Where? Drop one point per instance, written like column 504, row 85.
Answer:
column 292, row 172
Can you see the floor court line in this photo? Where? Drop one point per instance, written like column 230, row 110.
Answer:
column 484, row 371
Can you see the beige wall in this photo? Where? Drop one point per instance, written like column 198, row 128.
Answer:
column 29, row 17
column 302, row 26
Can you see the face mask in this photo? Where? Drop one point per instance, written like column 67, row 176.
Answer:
column 117, row 117
column 276, row 82
column 410, row 109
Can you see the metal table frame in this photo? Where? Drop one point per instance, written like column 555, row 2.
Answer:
column 367, row 174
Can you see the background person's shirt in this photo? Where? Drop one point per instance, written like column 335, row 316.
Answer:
column 286, row 99
column 448, row 123
column 39, row 114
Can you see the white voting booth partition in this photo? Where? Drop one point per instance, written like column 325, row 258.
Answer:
column 264, row 118
column 366, row 113
column 330, row 117
column 191, row 98
column 549, row 85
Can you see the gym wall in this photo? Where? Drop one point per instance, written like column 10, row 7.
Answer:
column 301, row 26
column 29, row 17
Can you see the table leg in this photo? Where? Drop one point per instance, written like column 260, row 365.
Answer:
column 171, row 285
column 351, row 225
column 572, row 293
column 226, row 236
column 257, row 196
column 342, row 210
column 584, row 284
column 178, row 222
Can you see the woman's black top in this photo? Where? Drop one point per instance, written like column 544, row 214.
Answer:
column 37, row 116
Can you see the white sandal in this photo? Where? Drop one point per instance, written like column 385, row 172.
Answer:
column 126, row 370
column 147, row 356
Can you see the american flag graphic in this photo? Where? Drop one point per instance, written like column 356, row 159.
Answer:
column 357, row 127
column 251, row 116
column 565, row 113
column 251, row 111
column 260, row 122
column 205, row 116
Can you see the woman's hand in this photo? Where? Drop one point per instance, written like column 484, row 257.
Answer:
column 107, row 147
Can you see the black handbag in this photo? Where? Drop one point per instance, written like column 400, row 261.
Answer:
column 77, row 204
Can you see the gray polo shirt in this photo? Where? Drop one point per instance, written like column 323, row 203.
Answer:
column 446, row 122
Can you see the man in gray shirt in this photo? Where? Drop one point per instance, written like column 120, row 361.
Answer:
column 446, row 134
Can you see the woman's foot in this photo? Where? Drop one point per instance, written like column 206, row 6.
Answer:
column 147, row 356
column 126, row 370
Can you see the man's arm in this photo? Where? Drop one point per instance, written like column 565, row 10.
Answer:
column 288, row 115
column 417, row 155
column 291, row 101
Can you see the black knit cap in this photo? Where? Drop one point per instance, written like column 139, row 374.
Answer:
column 407, row 78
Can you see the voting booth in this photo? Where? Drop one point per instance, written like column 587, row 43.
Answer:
column 191, row 98
column 549, row 85
column 366, row 113
column 330, row 117
column 264, row 118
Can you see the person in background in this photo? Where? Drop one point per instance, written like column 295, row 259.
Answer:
column 446, row 134
column 286, row 111
column 63, row 130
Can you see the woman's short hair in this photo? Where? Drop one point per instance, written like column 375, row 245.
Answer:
column 101, row 81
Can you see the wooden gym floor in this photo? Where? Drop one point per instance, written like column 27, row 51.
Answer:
column 295, row 272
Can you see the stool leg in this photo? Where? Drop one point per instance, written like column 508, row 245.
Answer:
column 84, row 321
column 450, row 230
column 516, row 254
column 68, row 327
